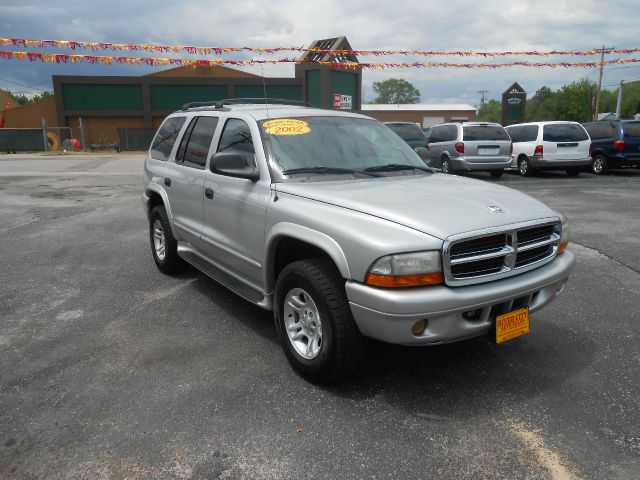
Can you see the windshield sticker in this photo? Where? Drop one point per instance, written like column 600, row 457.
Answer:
column 286, row 126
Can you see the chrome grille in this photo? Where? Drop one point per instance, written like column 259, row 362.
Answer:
column 470, row 259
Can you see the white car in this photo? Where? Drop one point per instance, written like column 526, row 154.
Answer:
column 550, row 146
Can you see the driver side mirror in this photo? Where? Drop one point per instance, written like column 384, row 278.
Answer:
column 233, row 164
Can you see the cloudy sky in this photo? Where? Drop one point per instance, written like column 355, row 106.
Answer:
column 368, row 24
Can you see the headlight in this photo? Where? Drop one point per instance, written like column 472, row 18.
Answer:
column 564, row 237
column 406, row 270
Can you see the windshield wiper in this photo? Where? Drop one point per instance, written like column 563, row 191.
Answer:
column 321, row 169
column 389, row 167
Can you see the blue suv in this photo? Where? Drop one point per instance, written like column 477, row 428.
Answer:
column 614, row 144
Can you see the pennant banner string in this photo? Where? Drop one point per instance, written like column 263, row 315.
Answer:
column 156, row 62
column 193, row 50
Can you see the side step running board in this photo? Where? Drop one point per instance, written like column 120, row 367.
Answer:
column 221, row 276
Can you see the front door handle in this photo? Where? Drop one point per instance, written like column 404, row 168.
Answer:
column 167, row 181
column 208, row 193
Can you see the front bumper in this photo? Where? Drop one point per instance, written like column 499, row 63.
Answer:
column 480, row 162
column 389, row 314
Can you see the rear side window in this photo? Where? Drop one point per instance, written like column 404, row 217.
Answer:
column 564, row 132
column 196, row 142
column 515, row 133
column 598, row 131
column 166, row 137
column 236, row 138
column 631, row 129
column 408, row 132
column 484, row 132
column 529, row 133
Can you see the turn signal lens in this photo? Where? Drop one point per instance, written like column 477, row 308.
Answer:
column 396, row 281
column 562, row 247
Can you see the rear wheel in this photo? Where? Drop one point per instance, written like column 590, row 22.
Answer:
column 446, row 166
column 573, row 172
column 599, row 165
column 314, row 321
column 496, row 173
column 524, row 168
column 164, row 246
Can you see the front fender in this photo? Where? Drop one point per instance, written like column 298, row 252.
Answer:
column 305, row 234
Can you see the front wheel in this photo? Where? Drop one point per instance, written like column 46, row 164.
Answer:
column 314, row 321
column 599, row 165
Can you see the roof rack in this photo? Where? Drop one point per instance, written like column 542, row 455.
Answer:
column 240, row 101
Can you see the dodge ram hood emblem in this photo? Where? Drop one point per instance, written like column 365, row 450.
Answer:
column 494, row 208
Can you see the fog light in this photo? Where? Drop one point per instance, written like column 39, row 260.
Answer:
column 419, row 327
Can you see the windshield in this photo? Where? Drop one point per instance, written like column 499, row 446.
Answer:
column 407, row 132
column 338, row 146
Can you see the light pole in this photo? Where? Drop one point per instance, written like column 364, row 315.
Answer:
column 619, row 102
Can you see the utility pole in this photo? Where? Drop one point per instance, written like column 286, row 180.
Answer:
column 482, row 92
column 619, row 103
column 595, row 116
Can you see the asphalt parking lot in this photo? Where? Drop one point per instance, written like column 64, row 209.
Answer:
column 109, row 369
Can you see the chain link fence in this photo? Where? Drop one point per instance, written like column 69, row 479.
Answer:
column 67, row 139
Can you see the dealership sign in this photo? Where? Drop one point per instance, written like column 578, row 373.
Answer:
column 342, row 102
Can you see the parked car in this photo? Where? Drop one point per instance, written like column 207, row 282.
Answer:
column 330, row 220
column 549, row 146
column 475, row 146
column 409, row 132
column 427, row 133
column 614, row 144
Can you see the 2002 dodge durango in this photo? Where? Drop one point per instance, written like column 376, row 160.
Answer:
column 330, row 220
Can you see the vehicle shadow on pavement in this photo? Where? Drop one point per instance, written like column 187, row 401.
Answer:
column 469, row 377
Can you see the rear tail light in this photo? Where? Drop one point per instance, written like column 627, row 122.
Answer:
column 619, row 145
column 459, row 146
column 511, row 149
column 539, row 150
column 427, row 146
column 590, row 148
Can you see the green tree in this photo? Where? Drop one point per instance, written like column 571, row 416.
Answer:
column 23, row 99
column 490, row 111
column 395, row 90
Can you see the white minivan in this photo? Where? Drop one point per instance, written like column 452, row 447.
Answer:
column 550, row 146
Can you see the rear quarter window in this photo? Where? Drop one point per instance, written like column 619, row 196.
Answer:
column 631, row 129
column 166, row 137
column 484, row 132
column 564, row 132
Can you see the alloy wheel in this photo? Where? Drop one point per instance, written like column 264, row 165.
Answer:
column 303, row 323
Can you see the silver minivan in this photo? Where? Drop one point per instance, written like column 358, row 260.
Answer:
column 476, row 146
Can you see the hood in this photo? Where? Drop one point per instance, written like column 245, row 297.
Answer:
column 438, row 205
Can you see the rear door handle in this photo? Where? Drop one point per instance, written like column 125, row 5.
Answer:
column 208, row 193
column 167, row 181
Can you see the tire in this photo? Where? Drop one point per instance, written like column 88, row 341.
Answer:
column 599, row 165
column 496, row 173
column 573, row 172
column 524, row 169
column 311, row 304
column 160, row 235
column 446, row 166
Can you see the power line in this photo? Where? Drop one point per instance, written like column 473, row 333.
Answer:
column 23, row 85
column 482, row 92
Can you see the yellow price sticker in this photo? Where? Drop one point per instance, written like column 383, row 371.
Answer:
column 286, row 126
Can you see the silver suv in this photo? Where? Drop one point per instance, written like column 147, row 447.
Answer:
column 477, row 146
column 333, row 222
